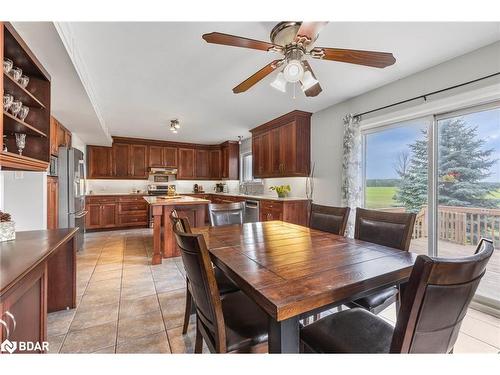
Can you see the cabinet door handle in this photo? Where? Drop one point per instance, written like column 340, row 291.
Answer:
column 6, row 328
column 14, row 323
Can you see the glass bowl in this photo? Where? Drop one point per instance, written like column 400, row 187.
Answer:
column 7, row 65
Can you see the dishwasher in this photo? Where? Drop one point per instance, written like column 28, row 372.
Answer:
column 251, row 211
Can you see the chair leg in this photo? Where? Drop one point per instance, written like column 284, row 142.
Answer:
column 187, row 312
column 198, row 346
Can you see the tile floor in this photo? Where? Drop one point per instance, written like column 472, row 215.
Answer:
column 124, row 305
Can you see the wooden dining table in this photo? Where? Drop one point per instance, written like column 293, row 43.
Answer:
column 292, row 271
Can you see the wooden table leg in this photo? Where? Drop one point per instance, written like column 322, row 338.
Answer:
column 169, row 243
column 157, row 211
column 284, row 336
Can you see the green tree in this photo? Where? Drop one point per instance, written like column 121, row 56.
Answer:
column 462, row 166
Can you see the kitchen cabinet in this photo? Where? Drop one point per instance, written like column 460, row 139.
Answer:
column 121, row 160
column 52, row 202
column 59, row 136
column 202, row 164
column 292, row 211
column 106, row 212
column 162, row 157
column 99, row 162
column 186, row 170
column 138, row 167
column 215, row 164
column 230, row 160
column 282, row 146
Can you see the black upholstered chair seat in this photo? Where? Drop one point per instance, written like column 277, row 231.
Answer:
column 246, row 323
column 225, row 285
column 349, row 331
column 378, row 301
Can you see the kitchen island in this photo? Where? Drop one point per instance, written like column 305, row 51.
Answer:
column 164, row 245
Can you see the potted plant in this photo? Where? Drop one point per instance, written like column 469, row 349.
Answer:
column 281, row 190
column 7, row 227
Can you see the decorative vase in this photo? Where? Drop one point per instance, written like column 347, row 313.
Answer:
column 281, row 194
column 7, row 231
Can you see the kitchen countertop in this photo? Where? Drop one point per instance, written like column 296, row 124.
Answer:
column 249, row 196
column 184, row 200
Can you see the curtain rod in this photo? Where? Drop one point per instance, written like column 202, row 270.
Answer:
column 424, row 96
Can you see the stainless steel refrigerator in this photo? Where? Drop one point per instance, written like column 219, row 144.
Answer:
column 71, row 176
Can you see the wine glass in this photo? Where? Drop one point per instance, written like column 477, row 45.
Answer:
column 7, row 101
column 23, row 81
column 23, row 112
column 20, row 142
column 7, row 65
column 15, row 107
column 16, row 73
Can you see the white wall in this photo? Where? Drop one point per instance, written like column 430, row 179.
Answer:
column 327, row 125
column 25, row 198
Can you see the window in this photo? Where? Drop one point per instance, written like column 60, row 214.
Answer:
column 246, row 167
column 456, row 195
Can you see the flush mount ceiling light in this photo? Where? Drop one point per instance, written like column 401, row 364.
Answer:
column 239, row 139
column 294, row 41
column 174, row 125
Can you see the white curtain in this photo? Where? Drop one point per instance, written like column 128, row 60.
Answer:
column 352, row 171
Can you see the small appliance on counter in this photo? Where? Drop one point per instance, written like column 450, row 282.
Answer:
column 221, row 187
column 198, row 189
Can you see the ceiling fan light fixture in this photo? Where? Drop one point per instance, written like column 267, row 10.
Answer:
column 308, row 81
column 293, row 71
column 279, row 82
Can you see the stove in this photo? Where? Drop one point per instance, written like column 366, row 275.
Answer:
column 159, row 189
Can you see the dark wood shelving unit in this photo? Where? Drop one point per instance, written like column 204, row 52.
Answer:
column 36, row 96
column 13, row 125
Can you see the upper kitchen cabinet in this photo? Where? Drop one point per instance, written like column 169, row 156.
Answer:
column 138, row 166
column 230, row 155
column 162, row 157
column 59, row 136
column 186, row 170
column 215, row 164
column 35, row 95
column 99, row 162
column 202, row 164
column 130, row 161
column 121, row 160
column 282, row 147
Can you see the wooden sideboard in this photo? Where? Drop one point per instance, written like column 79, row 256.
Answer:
column 132, row 158
column 37, row 275
column 282, row 147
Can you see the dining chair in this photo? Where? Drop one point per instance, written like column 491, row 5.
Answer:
column 329, row 219
column 232, row 323
column 433, row 306
column 392, row 229
column 226, row 213
column 225, row 285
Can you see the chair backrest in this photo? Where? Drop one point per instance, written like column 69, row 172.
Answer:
column 435, row 301
column 226, row 213
column 203, row 286
column 181, row 224
column 329, row 219
column 391, row 229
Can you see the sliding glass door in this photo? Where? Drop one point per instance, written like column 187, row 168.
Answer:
column 468, row 188
column 446, row 169
column 396, row 173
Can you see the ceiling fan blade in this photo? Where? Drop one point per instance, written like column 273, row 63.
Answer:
column 253, row 79
column 309, row 30
column 238, row 41
column 316, row 89
column 352, row 56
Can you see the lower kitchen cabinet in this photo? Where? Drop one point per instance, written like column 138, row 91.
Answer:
column 295, row 212
column 107, row 212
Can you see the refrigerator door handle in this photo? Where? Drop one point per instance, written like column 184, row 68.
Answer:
column 80, row 215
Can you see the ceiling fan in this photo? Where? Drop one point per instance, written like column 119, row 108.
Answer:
column 295, row 41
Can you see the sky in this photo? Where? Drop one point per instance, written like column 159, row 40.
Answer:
column 383, row 148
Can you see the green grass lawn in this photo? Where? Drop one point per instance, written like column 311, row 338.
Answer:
column 382, row 197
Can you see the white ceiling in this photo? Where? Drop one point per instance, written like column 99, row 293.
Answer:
column 144, row 74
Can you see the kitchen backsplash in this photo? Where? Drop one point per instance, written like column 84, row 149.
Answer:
column 127, row 186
